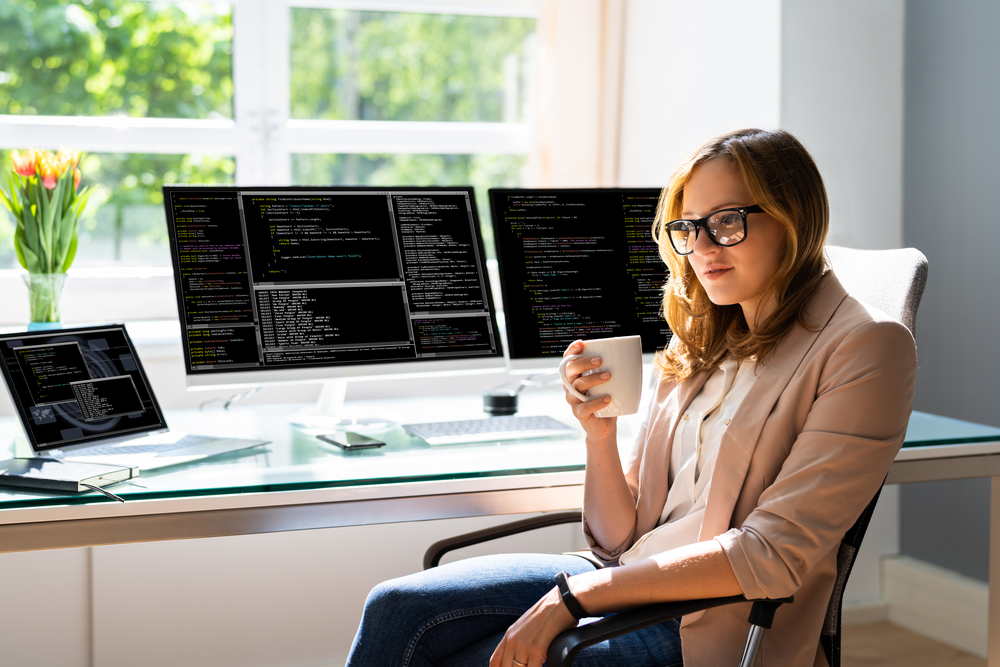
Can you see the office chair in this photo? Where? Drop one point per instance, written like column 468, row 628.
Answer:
column 892, row 281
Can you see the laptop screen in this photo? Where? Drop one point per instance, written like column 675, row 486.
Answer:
column 78, row 386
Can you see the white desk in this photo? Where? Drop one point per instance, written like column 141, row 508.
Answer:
column 297, row 483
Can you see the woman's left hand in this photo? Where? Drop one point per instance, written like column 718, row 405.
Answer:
column 526, row 643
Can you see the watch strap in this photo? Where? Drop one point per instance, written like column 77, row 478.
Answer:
column 572, row 605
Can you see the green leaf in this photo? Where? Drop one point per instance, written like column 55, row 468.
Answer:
column 70, row 254
column 46, row 227
column 38, row 240
column 81, row 200
column 14, row 193
column 66, row 234
column 8, row 203
column 30, row 228
column 19, row 246
column 72, row 221
column 27, row 257
column 57, row 225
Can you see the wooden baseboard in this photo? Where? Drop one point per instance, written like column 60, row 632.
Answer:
column 863, row 613
column 936, row 602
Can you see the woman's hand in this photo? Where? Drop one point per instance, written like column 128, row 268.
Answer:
column 598, row 428
column 526, row 643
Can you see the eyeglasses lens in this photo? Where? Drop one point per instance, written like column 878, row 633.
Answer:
column 682, row 236
column 727, row 227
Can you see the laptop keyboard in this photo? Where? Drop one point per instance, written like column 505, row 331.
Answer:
column 490, row 429
column 156, row 447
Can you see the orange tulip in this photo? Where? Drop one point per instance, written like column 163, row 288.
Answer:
column 67, row 159
column 48, row 168
column 24, row 165
column 76, row 178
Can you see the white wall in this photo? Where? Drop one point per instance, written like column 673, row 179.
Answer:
column 842, row 96
column 694, row 70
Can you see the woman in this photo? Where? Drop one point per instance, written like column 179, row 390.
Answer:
column 780, row 406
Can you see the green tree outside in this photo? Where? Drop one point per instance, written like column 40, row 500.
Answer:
column 350, row 65
column 104, row 58
column 174, row 60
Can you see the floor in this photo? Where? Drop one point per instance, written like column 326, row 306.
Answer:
column 888, row 645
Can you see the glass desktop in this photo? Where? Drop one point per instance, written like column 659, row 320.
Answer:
column 296, row 460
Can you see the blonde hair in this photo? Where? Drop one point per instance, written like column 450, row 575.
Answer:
column 783, row 180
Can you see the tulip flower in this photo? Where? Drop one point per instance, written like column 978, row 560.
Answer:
column 66, row 159
column 24, row 165
column 48, row 169
column 46, row 201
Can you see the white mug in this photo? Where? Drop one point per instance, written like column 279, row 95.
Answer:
column 622, row 357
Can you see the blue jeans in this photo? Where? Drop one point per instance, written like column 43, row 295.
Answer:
column 455, row 615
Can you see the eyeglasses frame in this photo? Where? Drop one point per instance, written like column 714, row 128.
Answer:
column 744, row 211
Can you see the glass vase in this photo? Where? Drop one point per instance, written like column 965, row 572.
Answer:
column 44, row 291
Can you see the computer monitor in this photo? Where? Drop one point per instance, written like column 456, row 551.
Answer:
column 308, row 284
column 78, row 386
column 577, row 263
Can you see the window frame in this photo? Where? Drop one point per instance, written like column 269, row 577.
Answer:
column 261, row 136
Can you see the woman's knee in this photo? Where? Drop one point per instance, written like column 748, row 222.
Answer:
column 385, row 597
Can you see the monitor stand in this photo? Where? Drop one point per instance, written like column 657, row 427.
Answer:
column 330, row 414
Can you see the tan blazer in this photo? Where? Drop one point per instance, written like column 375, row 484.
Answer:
column 805, row 453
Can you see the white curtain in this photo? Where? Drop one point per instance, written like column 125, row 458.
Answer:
column 577, row 108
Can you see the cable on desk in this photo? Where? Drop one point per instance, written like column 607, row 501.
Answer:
column 226, row 402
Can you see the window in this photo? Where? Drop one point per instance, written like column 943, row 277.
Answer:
column 257, row 92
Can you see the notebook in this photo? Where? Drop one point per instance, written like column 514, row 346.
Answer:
column 82, row 395
column 61, row 475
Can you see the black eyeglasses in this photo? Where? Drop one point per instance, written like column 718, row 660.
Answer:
column 727, row 227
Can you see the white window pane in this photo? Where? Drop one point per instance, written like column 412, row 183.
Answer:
column 113, row 57
column 360, row 65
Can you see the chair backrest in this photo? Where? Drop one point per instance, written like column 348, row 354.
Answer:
column 892, row 281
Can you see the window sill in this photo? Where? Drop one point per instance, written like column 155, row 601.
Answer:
column 132, row 294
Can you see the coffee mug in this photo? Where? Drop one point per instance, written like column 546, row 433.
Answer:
column 622, row 357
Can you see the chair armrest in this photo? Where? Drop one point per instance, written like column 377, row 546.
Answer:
column 564, row 647
column 432, row 558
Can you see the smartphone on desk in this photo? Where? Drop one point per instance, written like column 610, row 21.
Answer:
column 350, row 441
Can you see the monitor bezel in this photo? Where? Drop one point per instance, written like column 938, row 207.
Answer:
column 222, row 379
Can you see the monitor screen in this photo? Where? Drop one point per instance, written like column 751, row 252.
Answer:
column 577, row 263
column 77, row 386
column 312, row 283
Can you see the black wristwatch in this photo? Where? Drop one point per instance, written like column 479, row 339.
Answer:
column 568, row 598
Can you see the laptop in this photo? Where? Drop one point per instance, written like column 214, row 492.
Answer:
column 82, row 395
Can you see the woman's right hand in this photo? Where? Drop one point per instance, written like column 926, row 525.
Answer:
column 598, row 428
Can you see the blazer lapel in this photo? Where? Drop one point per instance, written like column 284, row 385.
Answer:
column 738, row 443
column 655, row 465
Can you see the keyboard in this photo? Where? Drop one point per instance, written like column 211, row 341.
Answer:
column 125, row 448
column 490, row 429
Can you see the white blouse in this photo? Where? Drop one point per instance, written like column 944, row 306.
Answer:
column 692, row 459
